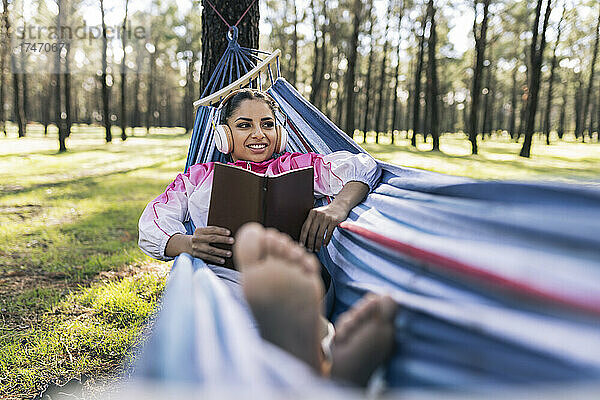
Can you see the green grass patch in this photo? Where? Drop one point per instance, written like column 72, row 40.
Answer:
column 88, row 332
column 75, row 290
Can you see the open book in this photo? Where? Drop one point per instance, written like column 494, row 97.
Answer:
column 282, row 201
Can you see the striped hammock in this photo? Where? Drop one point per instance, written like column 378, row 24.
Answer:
column 498, row 283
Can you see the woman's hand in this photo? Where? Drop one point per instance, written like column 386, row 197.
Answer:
column 319, row 225
column 322, row 221
column 201, row 242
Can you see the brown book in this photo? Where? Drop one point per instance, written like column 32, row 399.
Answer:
column 239, row 196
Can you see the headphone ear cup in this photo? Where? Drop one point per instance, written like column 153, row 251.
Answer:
column 223, row 139
column 282, row 136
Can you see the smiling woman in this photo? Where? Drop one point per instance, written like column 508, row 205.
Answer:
column 251, row 134
column 250, row 117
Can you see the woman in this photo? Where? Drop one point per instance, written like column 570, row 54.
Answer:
column 249, row 117
column 250, row 134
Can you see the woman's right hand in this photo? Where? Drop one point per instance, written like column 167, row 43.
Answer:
column 202, row 239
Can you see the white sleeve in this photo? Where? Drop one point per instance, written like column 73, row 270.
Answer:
column 163, row 217
column 334, row 170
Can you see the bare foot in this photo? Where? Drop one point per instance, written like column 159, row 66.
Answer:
column 283, row 287
column 364, row 339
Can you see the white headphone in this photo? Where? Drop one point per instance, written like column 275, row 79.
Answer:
column 224, row 137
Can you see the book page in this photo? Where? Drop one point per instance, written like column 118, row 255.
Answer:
column 289, row 198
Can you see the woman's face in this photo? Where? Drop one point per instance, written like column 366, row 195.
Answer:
column 253, row 128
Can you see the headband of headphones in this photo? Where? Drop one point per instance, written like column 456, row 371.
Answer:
column 224, row 137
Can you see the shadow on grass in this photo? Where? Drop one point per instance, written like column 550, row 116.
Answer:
column 82, row 148
column 84, row 180
column 583, row 165
column 79, row 247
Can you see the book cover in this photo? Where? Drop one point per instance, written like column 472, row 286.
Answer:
column 239, row 196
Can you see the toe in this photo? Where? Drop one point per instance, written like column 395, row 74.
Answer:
column 296, row 252
column 249, row 244
column 311, row 262
column 366, row 307
column 341, row 328
column 387, row 307
column 271, row 241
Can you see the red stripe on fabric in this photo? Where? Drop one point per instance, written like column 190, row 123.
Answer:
column 156, row 202
column 470, row 270
column 328, row 164
column 156, row 223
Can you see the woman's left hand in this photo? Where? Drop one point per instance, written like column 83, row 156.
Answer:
column 319, row 225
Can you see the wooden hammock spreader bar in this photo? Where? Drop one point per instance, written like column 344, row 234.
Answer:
column 241, row 82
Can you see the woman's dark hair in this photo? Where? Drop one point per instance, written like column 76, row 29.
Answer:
column 246, row 94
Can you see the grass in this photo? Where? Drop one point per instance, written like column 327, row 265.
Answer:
column 76, row 292
column 498, row 158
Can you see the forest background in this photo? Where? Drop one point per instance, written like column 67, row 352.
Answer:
column 389, row 66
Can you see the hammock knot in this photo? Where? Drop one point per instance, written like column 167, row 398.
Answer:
column 232, row 34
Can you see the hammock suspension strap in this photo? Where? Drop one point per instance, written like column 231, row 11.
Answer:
column 224, row 20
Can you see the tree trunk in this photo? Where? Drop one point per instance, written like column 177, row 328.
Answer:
column 123, row 76
column 319, row 59
column 417, row 87
column 563, row 111
column 67, row 81
column 488, row 100
column 365, row 123
column 17, row 98
column 432, row 80
column 592, row 119
column 3, row 54
column 382, row 76
column 23, row 77
column 396, row 72
column 338, row 96
column 586, row 104
column 535, row 66
column 350, row 73
column 598, row 115
column 317, row 76
column 62, row 133
column 513, row 103
column 46, row 106
column 214, row 31
column 150, row 93
column 407, row 108
column 551, row 80
column 480, row 43
column 322, row 99
column 24, row 88
column 105, row 93
column 577, row 104
column 136, row 90
column 189, row 92
column 294, row 77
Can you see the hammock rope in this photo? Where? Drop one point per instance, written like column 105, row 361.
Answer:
column 223, row 18
column 235, row 62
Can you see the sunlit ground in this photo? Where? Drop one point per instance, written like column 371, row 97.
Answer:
column 498, row 157
column 75, row 290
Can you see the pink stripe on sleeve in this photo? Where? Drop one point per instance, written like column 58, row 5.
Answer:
column 196, row 175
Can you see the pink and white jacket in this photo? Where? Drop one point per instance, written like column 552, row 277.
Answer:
column 188, row 196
